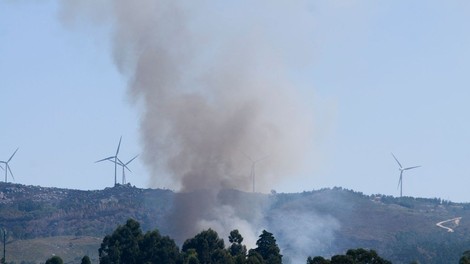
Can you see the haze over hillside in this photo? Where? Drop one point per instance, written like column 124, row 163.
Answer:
column 322, row 222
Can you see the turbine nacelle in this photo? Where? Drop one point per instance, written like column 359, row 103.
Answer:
column 253, row 165
column 401, row 169
column 113, row 159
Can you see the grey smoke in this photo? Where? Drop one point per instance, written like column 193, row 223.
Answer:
column 213, row 81
column 303, row 233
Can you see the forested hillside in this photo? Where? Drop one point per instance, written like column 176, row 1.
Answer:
column 33, row 211
column 322, row 222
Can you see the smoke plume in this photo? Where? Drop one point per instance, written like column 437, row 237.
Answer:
column 312, row 234
column 213, row 81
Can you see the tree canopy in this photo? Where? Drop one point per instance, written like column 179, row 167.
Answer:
column 465, row 259
column 86, row 260
column 55, row 260
column 352, row 256
column 129, row 245
column 236, row 249
column 268, row 248
column 206, row 245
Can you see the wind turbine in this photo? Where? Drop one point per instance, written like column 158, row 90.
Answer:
column 401, row 169
column 7, row 166
column 113, row 159
column 124, row 166
column 253, row 165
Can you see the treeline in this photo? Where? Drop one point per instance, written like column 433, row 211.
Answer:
column 129, row 245
column 352, row 256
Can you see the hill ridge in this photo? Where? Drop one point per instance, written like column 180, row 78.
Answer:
column 332, row 220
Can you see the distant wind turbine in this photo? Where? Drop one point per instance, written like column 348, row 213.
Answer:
column 253, row 166
column 401, row 169
column 115, row 160
column 7, row 166
column 124, row 167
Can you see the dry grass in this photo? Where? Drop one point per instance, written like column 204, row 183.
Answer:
column 71, row 249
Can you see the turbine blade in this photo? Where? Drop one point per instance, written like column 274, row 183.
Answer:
column 248, row 157
column 11, row 173
column 409, row 168
column 399, row 182
column 261, row 159
column 131, row 159
column 119, row 145
column 12, row 155
column 399, row 164
column 1, row 167
column 119, row 162
column 108, row 158
column 113, row 161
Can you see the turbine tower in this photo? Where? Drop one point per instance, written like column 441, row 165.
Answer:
column 401, row 169
column 7, row 166
column 253, row 166
column 113, row 159
column 124, row 166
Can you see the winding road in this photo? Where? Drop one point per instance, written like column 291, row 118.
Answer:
column 455, row 221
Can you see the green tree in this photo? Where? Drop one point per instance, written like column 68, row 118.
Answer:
column 190, row 257
column 362, row 256
column 86, row 260
column 317, row 260
column 123, row 245
column 268, row 248
column 342, row 259
column 221, row 256
column 235, row 237
column 55, row 260
column 465, row 259
column 254, row 257
column 237, row 250
column 155, row 248
column 205, row 244
column 352, row 256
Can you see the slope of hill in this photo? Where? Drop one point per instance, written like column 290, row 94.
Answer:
column 37, row 250
column 400, row 229
column 32, row 211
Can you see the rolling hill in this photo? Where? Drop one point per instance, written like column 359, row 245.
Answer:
column 71, row 223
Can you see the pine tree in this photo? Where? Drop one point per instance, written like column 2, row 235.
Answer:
column 268, row 248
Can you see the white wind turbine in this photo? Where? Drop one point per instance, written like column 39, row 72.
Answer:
column 253, row 167
column 7, row 166
column 401, row 169
column 124, row 167
column 113, row 159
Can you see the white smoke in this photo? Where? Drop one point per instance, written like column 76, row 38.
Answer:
column 303, row 233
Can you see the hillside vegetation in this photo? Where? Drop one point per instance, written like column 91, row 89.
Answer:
column 400, row 229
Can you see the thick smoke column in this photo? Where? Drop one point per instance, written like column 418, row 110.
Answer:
column 213, row 83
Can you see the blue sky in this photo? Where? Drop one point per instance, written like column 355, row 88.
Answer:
column 380, row 76
column 64, row 102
